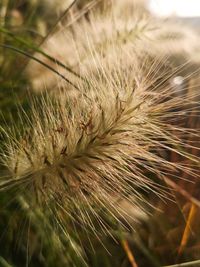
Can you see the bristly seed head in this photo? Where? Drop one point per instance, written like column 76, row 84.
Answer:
column 97, row 148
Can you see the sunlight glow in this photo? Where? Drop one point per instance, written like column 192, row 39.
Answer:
column 180, row 8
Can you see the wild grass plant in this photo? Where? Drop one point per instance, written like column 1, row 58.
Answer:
column 100, row 148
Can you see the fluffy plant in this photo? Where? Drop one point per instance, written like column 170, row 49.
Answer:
column 119, row 132
column 82, row 156
column 97, row 32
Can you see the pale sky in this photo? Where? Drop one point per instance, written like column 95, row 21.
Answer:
column 181, row 8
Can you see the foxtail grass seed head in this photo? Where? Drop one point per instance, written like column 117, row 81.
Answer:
column 100, row 32
column 89, row 153
column 101, row 35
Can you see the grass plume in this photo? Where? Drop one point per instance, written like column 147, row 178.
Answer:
column 96, row 148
